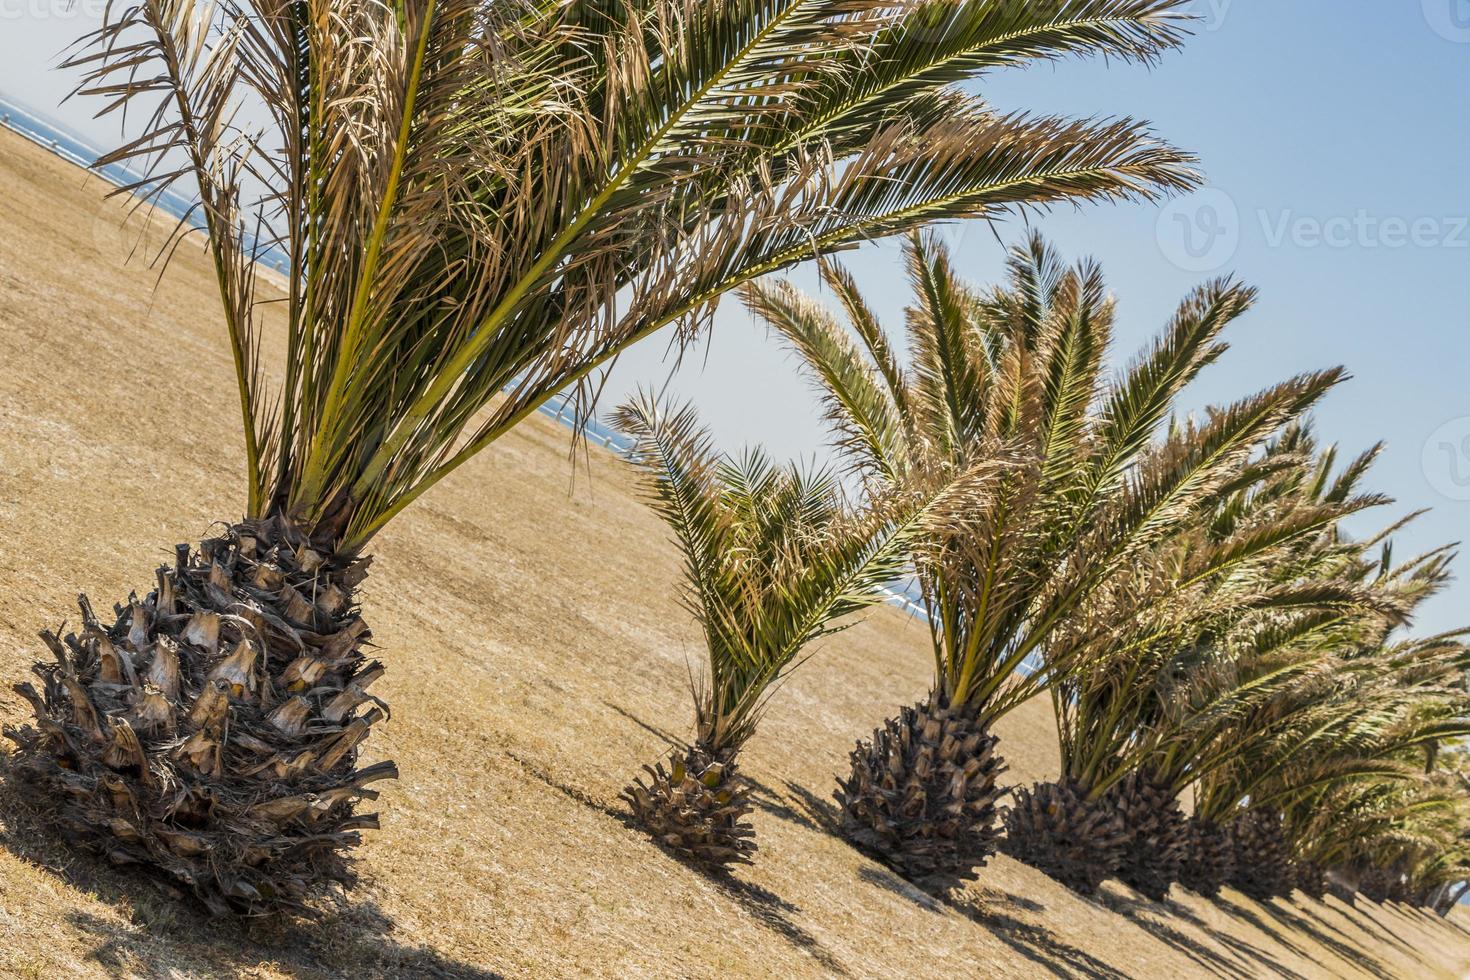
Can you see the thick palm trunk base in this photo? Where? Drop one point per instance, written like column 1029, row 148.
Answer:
column 922, row 794
column 1209, row 858
column 1262, row 860
column 1311, row 879
column 1158, row 835
column 211, row 732
column 1056, row 829
column 696, row 808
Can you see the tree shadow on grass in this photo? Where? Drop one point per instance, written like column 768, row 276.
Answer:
column 1358, row 916
column 1139, row 912
column 815, row 812
column 1291, row 920
column 890, row 881
column 775, row 913
column 1316, row 925
column 1036, row 943
column 668, row 738
column 805, row 811
column 1296, row 918
column 1452, row 921
column 162, row 932
column 352, row 942
column 1412, row 915
column 1029, row 941
column 764, row 906
column 536, row 771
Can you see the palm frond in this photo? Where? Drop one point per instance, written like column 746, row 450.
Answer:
column 775, row 559
column 483, row 204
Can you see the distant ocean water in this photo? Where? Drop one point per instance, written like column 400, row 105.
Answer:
column 48, row 133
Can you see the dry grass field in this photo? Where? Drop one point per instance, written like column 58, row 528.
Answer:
column 537, row 658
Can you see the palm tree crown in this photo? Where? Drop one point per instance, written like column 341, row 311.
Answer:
column 482, row 203
column 1080, row 487
column 773, row 558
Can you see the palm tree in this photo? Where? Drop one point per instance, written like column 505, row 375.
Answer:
column 1375, row 803
column 773, row 560
column 481, row 205
column 1398, row 831
column 1302, row 763
column 1441, row 873
column 1009, row 382
column 1202, row 631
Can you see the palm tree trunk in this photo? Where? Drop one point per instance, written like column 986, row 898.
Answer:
column 697, row 807
column 211, row 733
column 1311, row 879
column 1157, row 834
column 1376, row 884
column 1058, row 829
column 1209, row 861
column 1262, row 859
column 922, row 794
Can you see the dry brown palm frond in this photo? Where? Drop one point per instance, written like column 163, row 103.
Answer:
column 477, row 198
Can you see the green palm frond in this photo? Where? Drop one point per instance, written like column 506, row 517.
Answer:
column 774, row 558
column 860, row 407
column 485, row 203
column 1082, row 490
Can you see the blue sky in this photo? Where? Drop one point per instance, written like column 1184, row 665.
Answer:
column 1335, row 138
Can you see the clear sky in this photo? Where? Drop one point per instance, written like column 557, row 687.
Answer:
column 1336, row 140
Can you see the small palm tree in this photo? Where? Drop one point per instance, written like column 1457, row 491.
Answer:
column 480, row 204
column 773, row 559
column 1010, row 382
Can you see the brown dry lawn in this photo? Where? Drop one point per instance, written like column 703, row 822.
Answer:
column 537, row 659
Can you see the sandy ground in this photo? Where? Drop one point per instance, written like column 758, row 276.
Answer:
column 537, row 658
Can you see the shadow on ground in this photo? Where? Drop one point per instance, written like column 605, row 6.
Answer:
column 159, row 932
column 762, row 905
column 1279, row 920
column 775, row 913
column 1246, row 959
column 994, row 912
